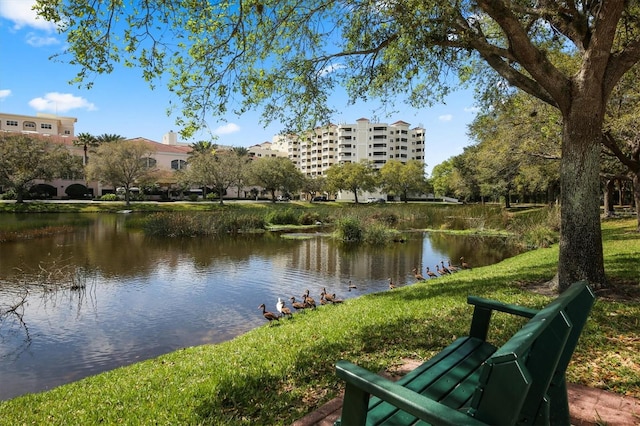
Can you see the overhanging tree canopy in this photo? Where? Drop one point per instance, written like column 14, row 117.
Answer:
column 290, row 56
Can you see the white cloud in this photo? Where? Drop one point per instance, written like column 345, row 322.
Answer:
column 227, row 129
column 445, row 117
column 4, row 93
column 21, row 13
column 60, row 102
column 37, row 41
column 329, row 69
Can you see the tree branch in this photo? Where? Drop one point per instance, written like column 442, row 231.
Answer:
column 532, row 59
column 612, row 144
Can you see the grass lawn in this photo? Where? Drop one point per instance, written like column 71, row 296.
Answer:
column 275, row 375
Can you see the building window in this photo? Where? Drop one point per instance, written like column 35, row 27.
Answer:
column 29, row 125
column 12, row 123
column 149, row 162
column 178, row 164
column 45, row 126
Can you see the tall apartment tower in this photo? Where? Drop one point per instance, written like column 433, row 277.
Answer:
column 380, row 142
column 316, row 151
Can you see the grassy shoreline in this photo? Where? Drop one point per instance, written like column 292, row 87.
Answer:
column 275, row 375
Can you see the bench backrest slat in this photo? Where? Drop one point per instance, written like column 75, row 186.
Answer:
column 576, row 301
column 516, row 376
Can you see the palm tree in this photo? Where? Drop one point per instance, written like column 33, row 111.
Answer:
column 86, row 140
column 240, row 151
column 203, row 147
column 106, row 137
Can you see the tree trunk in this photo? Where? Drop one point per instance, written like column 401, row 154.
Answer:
column 609, row 189
column 636, row 196
column 581, row 256
column 19, row 195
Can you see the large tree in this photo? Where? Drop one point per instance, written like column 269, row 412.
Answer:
column 25, row 159
column 403, row 179
column 275, row 174
column 217, row 170
column 353, row 177
column 313, row 185
column 122, row 163
column 290, row 56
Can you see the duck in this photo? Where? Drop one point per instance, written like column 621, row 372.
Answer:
column 440, row 271
column 444, row 268
column 334, row 299
column 284, row 311
column 453, row 268
column 464, row 264
column 308, row 300
column 431, row 274
column 326, row 295
column 417, row 274
column 391, row 284
column 323, row 301
column 351, row 286
column 270, row 316
column 298, row 306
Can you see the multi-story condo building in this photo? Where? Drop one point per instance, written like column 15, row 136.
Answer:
column 380, row 142
column 315, row 152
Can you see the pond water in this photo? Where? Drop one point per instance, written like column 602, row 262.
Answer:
column 143, row 297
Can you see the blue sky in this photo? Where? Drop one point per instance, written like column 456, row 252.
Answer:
column 123, row 103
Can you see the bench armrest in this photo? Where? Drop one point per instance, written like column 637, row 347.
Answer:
column 483, row 308
column 361, row 383
column 502, row 307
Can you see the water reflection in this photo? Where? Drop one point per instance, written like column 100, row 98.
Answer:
column 143, row 297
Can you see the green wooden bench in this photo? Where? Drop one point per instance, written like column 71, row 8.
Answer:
column 472, row 382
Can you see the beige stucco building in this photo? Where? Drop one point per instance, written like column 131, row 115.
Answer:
column 167, row 156
column 42, row 124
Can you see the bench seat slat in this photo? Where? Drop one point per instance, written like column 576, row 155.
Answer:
column 449, row 378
